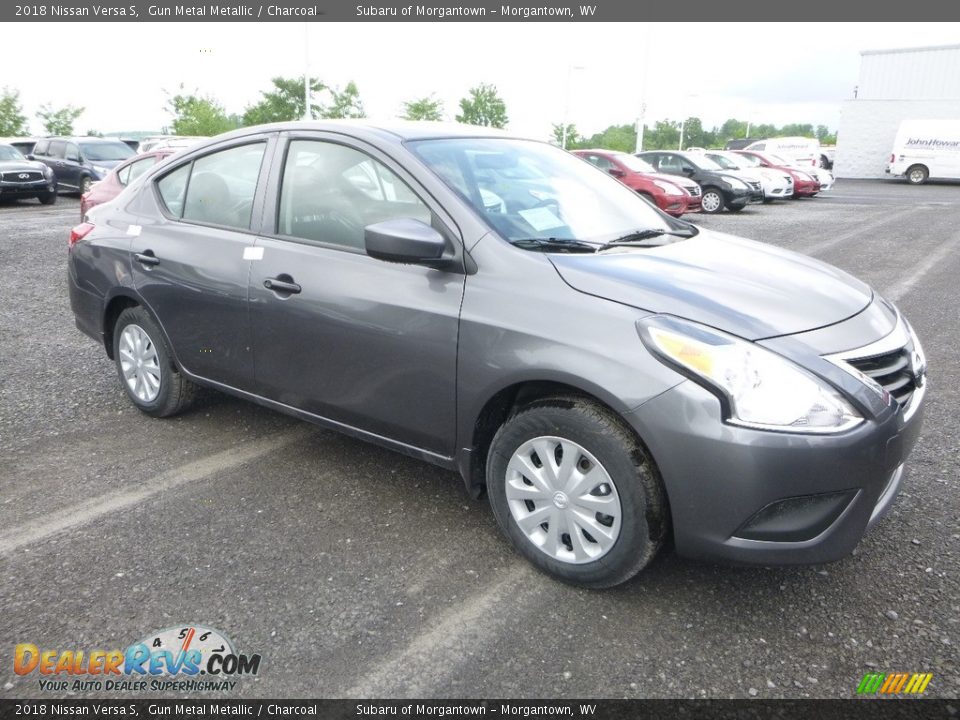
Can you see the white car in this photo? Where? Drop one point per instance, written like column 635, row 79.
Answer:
column 776, row 185
column 824, row 176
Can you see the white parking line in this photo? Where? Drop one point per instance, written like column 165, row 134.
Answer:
column 907, row 283
column 430, row 658
column 74, row 516
column 819, row 247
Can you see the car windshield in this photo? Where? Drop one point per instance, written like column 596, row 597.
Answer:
column 725, row 162
column 777, row 160
column 8, row 152
column 703, row 162
column 528, row 190
column 636, row 164
column 106, row 151
column 747, row 161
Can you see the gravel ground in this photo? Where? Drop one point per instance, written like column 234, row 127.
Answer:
column 357, row 572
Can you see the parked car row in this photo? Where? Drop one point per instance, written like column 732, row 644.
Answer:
column 710, row 181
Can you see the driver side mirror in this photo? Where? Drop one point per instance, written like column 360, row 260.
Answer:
column 616, row 172
column 687, row 170
column 73, row 158
column 30, row 156
column 404, row 240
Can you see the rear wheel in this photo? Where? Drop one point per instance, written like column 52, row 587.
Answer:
column 917, row 175
column 85, row 184
column 735, row 208
column 576, row 493
column 712, row 200
column 48, row 198
column 145, row 366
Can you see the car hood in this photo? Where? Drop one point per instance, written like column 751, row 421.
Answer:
column 743, row 287
column 108, row 164
column 21, row 166
column 672, row 179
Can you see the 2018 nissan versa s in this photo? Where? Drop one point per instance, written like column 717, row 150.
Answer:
column 497, row 306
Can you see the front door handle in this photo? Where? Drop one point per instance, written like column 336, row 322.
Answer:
column 147, row 258
column 282, row 284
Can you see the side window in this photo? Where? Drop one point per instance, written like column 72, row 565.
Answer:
column 600, row 162
column 670, row 164
column 41, row 147
column 56, row 148
column 222, row 186
column 172, row 187
column 134, row 170
column 330, row 192
column 759, row 147
column 72, row 152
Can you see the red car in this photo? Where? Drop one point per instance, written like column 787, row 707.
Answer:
column 118, row 178
column 804, row 184
column 674, row 195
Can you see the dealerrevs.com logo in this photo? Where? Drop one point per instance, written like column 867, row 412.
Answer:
column 188, row 658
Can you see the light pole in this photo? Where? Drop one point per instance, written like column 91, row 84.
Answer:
column 566, row 103
column 642, row 117
column 307, row 113
column 683, row 120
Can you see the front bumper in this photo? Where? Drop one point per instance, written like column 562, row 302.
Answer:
column 31, row 189
column 743, row 196
column 751, row 496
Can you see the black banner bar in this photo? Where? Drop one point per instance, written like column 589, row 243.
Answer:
column 526, row 709
column 474, row 11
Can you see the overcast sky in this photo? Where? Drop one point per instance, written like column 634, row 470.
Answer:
column 765, row 72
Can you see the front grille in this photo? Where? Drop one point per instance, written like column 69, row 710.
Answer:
column 755, row 185
column 892, row 371
column 23, row 176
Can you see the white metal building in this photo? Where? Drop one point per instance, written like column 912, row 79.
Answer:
column 911, row 83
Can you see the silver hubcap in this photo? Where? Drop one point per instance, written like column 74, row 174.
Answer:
column 916, row 176
column 139, row 363
column 563, row 500
column 710, row 202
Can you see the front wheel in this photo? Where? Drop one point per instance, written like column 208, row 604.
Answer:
column 712, row 201
column 735, row 208
column 146, row 368
column 576, row 493
column 85, row 184
column 917, row 175
column 48, row 198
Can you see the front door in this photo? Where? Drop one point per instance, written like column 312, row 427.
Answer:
column 359, row 341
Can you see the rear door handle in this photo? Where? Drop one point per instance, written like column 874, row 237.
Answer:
column 147, row 258
column 282, row 286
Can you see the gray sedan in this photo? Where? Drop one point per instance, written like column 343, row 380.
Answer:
column 610, row 376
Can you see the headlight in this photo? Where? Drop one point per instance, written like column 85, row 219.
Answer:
column 668, row 188
column 101, row 170
column 735, row 182
column 47, row 171
column 757, row 388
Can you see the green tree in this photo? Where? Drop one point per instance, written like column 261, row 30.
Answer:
column 662, row 135
column 58, row 121
column 797, row 130
column 12, row 120
column 764, row 131
column 346, row 103
column 198, row 115
column 285, row 101
column 733, row 129
column 573, row 137
column 825, row 136
column 615, row 137
column 483, row 106
column 94, row 133
column 693, row 135
column 425, row 108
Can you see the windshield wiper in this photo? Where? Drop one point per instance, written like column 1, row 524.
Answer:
column 642, row 238
column 554, row 245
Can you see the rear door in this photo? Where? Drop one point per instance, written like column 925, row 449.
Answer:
column 362, row 342
column 190, row 262
column 55, row 159
column 72, row 168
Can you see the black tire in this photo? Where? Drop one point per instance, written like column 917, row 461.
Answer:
column 768, row 200
column 720, row 202
column 175, row 393
column 48, row 198
column 85, row 184
column 917, row 174
column 735, row 208
column 644, row 513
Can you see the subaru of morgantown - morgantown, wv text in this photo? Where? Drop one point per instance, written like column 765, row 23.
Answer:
column 611, row 376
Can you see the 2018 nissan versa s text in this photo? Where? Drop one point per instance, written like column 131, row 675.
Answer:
column 494, row 305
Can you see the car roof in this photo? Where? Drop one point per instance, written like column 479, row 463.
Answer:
column 83, row 138
column 389, row 130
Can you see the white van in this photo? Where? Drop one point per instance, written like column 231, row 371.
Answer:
column 926, row 149
column 801, row 151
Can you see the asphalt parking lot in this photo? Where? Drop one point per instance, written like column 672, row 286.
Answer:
column 357, row 572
